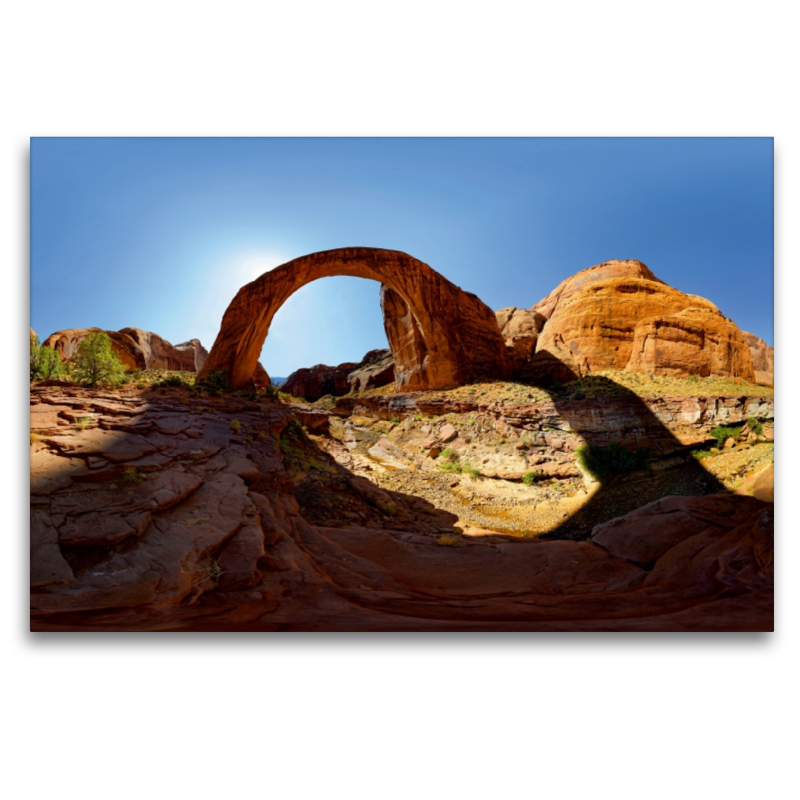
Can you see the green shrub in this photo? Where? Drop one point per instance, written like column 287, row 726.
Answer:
column 96, row 363
column 46, row 363
column 615, row 459
column 448, row 454
column 395, row 420
column 214, row 381
column 235, row 425
column 172, row 380
column 529, row 477
column 468, row 469
column 450, row 466
column 755, row 426
column 722, row 433
column 449, row 540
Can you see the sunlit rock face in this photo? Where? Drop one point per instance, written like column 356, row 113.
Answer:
column 440, row 335
column 763, row 359
column 136, row 348
column 618, row 315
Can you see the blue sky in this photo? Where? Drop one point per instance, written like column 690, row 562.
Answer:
column 160, row 234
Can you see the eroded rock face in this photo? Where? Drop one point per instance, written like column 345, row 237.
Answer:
column 375, row 369
column 763, row 359
column 136, row 348
column 580, row 280
column 643, row 326
column 440, row 336
column 311, row 383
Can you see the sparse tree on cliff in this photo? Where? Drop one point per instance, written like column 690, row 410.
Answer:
column 95, row 362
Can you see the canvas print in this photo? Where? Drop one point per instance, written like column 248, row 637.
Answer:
column 505, row 384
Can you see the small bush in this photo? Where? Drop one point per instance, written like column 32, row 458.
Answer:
column 693, row 379
column 132, row 476
column 83, row 423
column 34, row 437
column 450, row 466
column 449, row 540
column 172, row 380
column 722, row 433
column 448, row 454
column 755, row 426
column 701, row 454
column 214, row 381
column 529, row 477
column 616, row 459
column 395, row 420
column 235, row 425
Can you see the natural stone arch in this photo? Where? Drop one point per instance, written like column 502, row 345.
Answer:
column 440, row 335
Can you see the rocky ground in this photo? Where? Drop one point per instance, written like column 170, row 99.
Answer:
column 165, row 508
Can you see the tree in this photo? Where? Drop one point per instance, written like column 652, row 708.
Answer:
column 46, row 364
column 95, row 362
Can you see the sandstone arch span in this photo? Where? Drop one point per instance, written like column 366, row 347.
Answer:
column 440, row 335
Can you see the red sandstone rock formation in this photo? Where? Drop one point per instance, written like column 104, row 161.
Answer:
column 136, row 348
column 311, row 383
column 578, row 281
column 376, row 369
column 66, row 342
column 520, row 329
column 641, row 325
column 763, row 359
column 441, row 336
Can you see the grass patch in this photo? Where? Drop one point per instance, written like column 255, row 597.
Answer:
column 34, row 437
column 133, row 477
column 616, row 459
column 449, row 540
column 529, row 477
column 468, row 469
column 235, row 425
column 701, row 454
column 82, row 423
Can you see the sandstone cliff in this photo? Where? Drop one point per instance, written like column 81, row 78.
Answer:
column 618, row 315
column 763, row 359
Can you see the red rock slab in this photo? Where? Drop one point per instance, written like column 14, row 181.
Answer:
column 112, row 445
column 238, row 561
column 48, row 565
column 644, row 539
column 51, row 472
column 45, row 416
column 764, row 486
column 159, row 491
column 478, row 570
